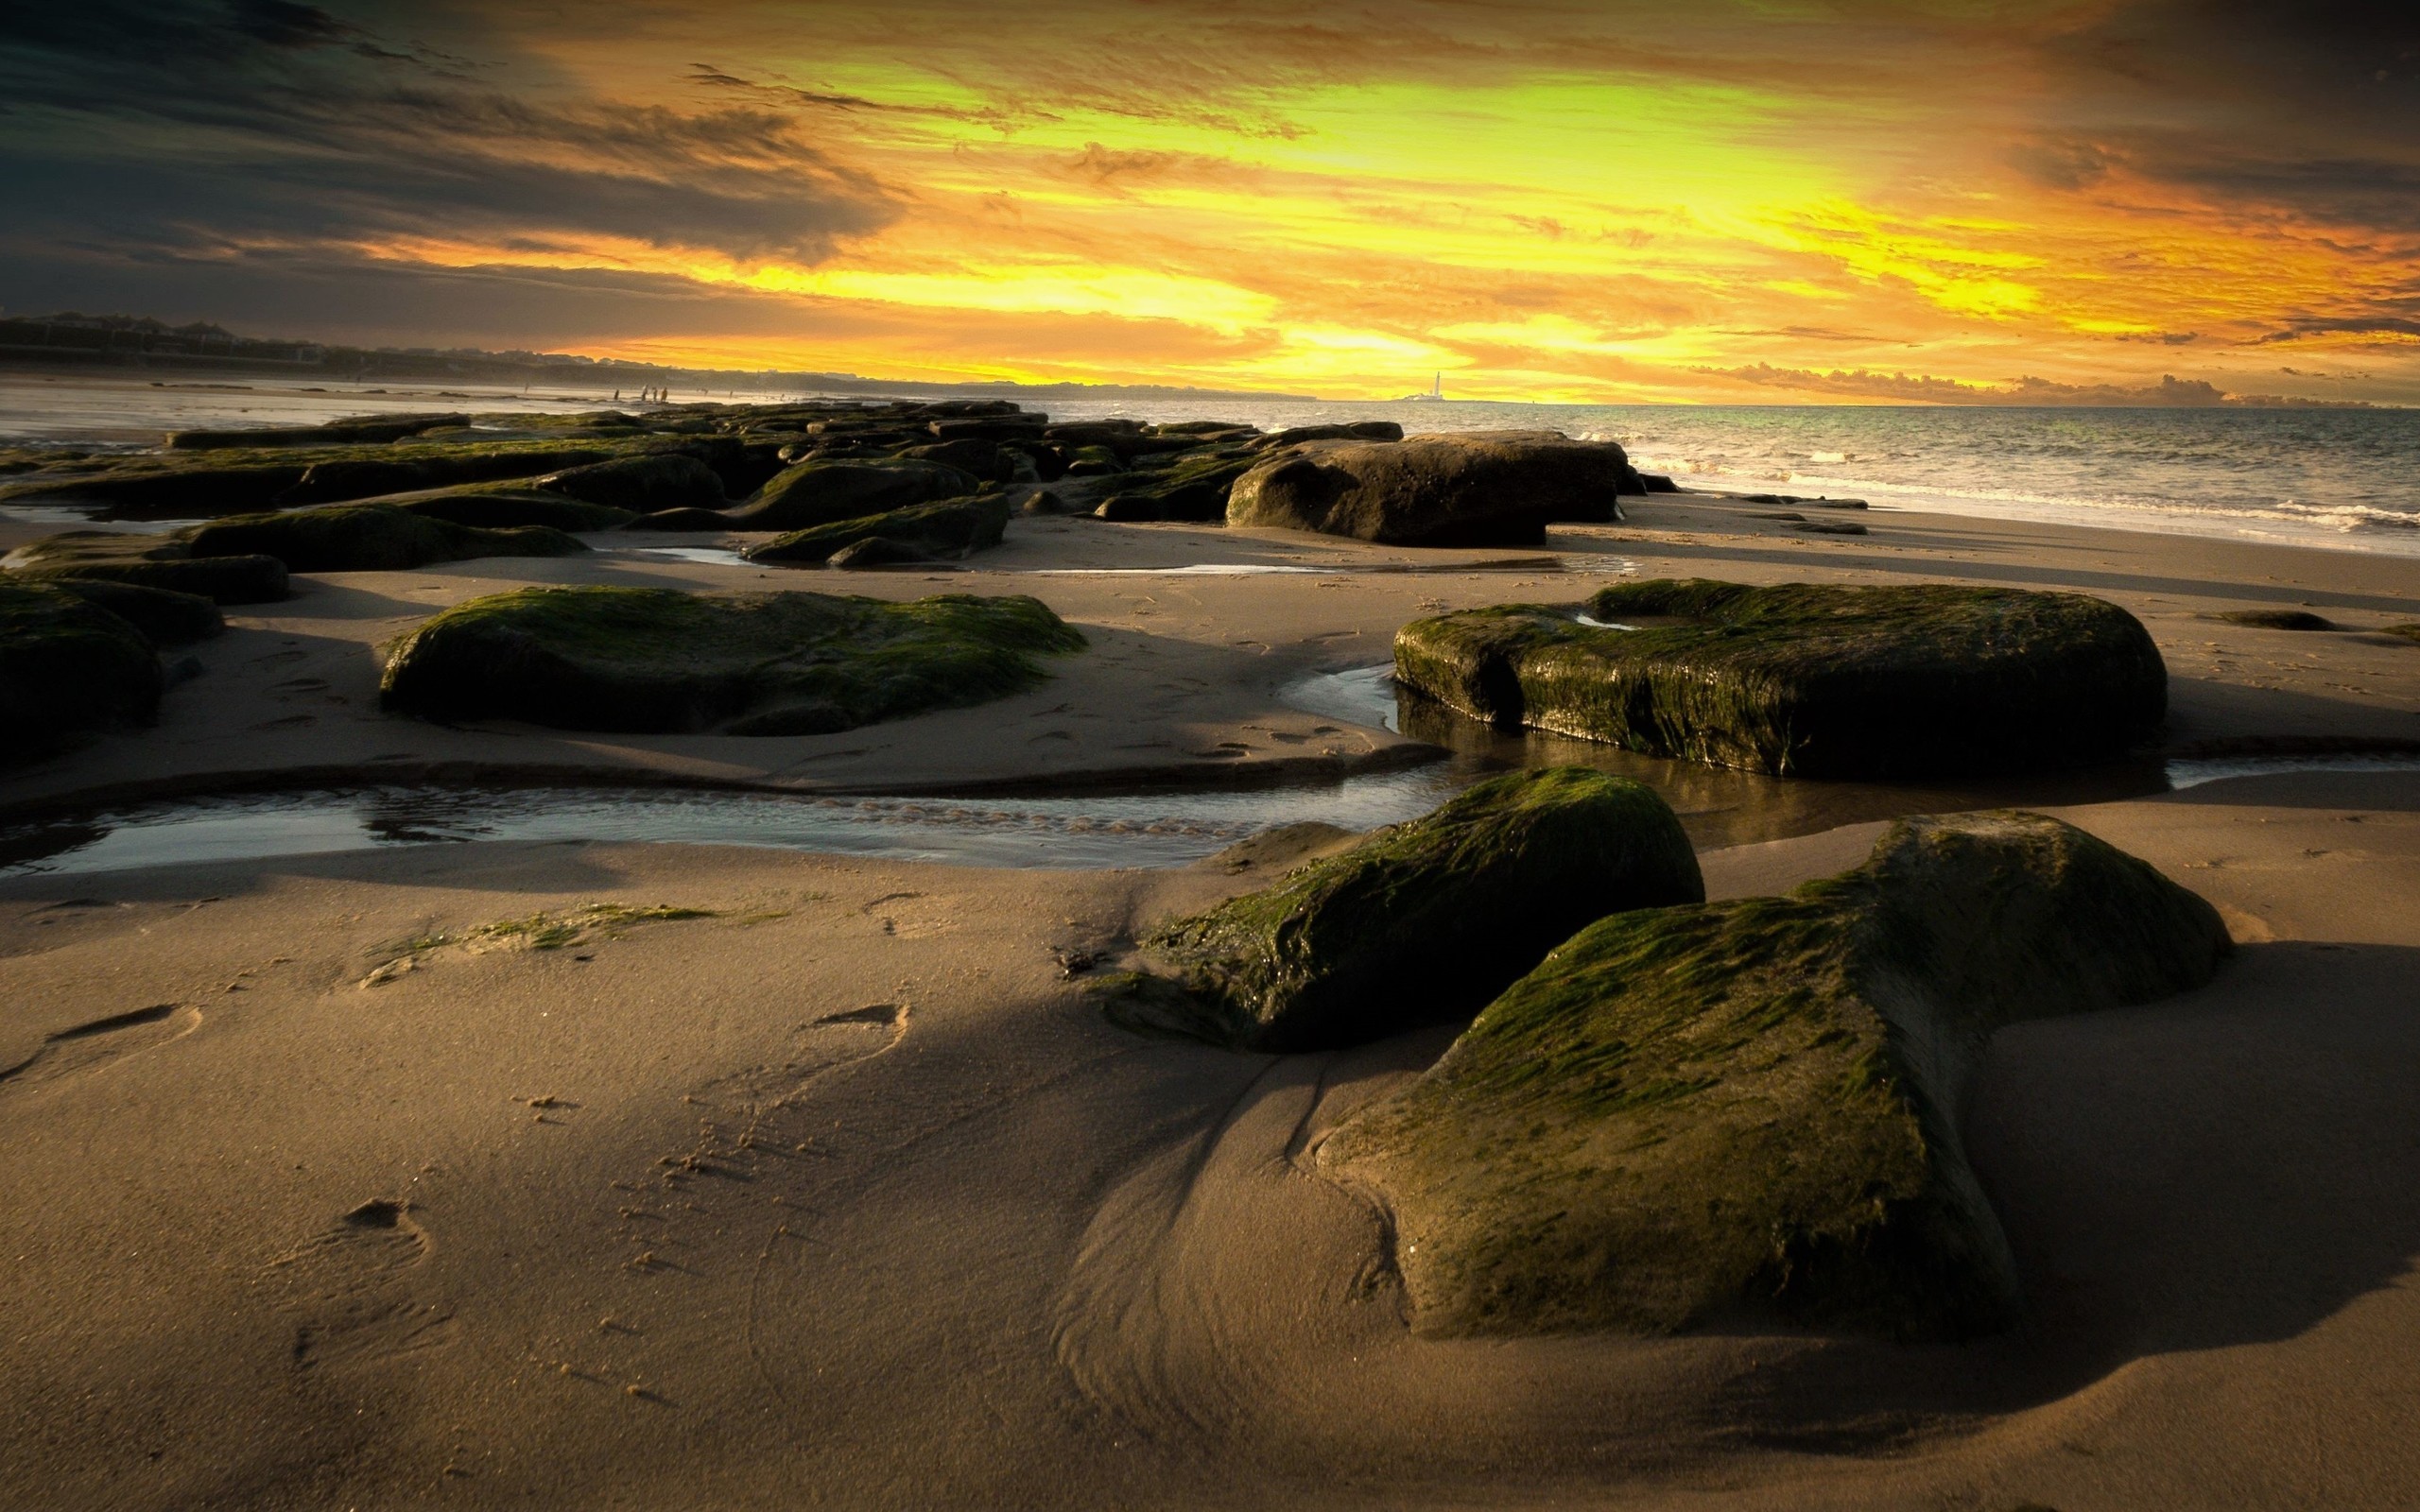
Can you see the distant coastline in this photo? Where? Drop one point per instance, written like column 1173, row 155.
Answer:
column 144, row 344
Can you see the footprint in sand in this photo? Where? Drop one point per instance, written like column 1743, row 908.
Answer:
column 349, row 1290
column 101, row 1041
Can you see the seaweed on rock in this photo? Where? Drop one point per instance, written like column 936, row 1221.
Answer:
column 644, row 659
column 1422, row 921
column 1805, row 679
column 1683, row 1110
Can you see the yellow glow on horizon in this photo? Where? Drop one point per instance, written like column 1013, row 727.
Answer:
column 1240, row 203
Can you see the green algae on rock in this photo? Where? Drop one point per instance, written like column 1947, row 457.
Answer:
column 660, row 660
column 1422, row 921
column 357, row 538
column 149, row 562
column 1805, row 679
column 946, row 528
column 68, row 669
column 1758, row 1102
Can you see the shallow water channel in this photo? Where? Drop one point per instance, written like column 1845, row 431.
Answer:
column 1096, row 829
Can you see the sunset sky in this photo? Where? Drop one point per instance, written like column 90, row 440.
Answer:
column 1761, row 200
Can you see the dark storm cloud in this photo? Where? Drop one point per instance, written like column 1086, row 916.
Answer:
column 197, row 124
column 343, row 298
column 2310, row 108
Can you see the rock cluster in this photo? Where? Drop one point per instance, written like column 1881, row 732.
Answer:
column 835, row 474
column 1683, row 1112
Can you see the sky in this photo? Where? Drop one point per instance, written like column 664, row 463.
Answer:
column 1685, row 200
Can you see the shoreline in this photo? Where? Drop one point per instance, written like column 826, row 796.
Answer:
column 2286, row 522
column 691, row 1173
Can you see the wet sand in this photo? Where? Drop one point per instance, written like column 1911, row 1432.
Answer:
column 329, row 1192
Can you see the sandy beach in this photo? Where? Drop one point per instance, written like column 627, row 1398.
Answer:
column 841, row 1191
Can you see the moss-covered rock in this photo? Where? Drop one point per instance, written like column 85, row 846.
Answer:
column 68, row 669
column 1423, row 921
column 351, row 431
column 160, row 488
column 356, row 538
column 406, row 468
column 160, row 615
column 1808, row 679
column 947, row 529
column 1193, row 487
column 640, row 485
column 149, row 562
column 643, row 660
column 822, row 493
column 505, row 508
column 1758, row 1102
column 1471, row 488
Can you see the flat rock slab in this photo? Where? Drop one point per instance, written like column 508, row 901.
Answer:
column 1473, row 489
column 1757, row 1102
column 149, row 561
column 1423, row 921
column 654, row 661
column 356, row 538
column 1804, row 680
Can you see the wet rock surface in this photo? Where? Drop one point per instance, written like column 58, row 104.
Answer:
column 1755, row 1104
column 1808, row 679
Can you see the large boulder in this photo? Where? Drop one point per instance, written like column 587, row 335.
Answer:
column 1807, row 680
column 149, row 562
column 1755, row 1104
column 947, row 529
column 359, row 537
column 652, row 660
column 1471, row 488
column 641, row 485
column 1423, row 921
column 68, row 669
column 819, row 493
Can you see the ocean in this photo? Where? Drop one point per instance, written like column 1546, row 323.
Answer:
column 2346, row 479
